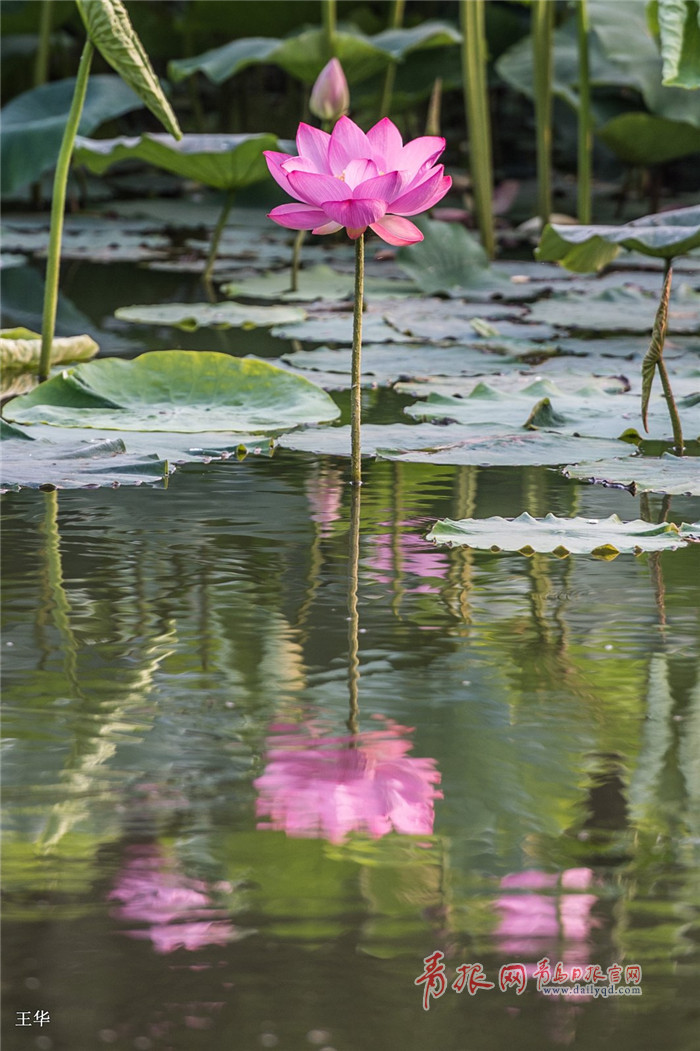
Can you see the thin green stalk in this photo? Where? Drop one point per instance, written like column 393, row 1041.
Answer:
column 216, row 237
column 41, row 65
column 328, row 16
column 678, row 443
column 542, row 32
column 356, row 387
column 395, row 22
column 474, row 58
column 60, row 183
column 585, row 123
column 296, row 258
column 353, row 612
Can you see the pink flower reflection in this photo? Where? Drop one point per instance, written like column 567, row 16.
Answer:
column 531, row 920
column 327, row 787
column 408, row 554
column 177, row 910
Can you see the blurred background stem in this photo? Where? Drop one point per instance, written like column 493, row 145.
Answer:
column 395, row 22
column 585, row 126
column 542, row 31
column 476, row 103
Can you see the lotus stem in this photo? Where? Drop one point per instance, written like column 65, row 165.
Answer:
column 653, row 359
column 58, row 203
column 474, row 58
column 328, row 16
column 216, row 237
column 395, row 22
column 542, row 31
column 585, row 125
column 353, row 613
column 296, row 258
column 356, row 383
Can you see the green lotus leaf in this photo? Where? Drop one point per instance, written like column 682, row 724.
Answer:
column 109, row 27
column 518, row 449
column 669, row 474
column 450, row 260
column 73, row 457
column 191, row 316
column 225, row 162
column 454, row 445
column 315, row 282
column 383, row 364
column 175, row 390
column 32, row 124
column 603, row 538
column 679, row 25
column 583, row 248
column 643, row 138
column 618, row 310
column 20, row 349
column 592, row 412
column 75, row 465
column 304, row 54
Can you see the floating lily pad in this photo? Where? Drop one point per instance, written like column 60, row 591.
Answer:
column 225, row 162
column 135, row 449
column 669, row 474
column 386, row 363
column 191, row 316
column 454, row 445
column 434, row 319
column 524, row 448
column 541, row 406
column 175, row 390
column 618, row 310
column 315, row 282
column 603, row 538
column 328, row 327
column 30, row 464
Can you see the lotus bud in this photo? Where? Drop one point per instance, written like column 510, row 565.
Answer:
column 330, row 95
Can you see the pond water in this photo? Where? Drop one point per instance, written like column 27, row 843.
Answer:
column 247, row 794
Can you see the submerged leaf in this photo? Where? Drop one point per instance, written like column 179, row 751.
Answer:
column 603, row 538
column 175, row 390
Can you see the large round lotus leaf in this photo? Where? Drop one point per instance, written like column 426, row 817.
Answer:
column 618, row 310
column 175, row 390
column 521, row 449
column 604, row 538
column 226, row 162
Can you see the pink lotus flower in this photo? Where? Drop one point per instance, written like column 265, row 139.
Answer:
column 329, row 786
column 330, row 95
column 355, row 180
